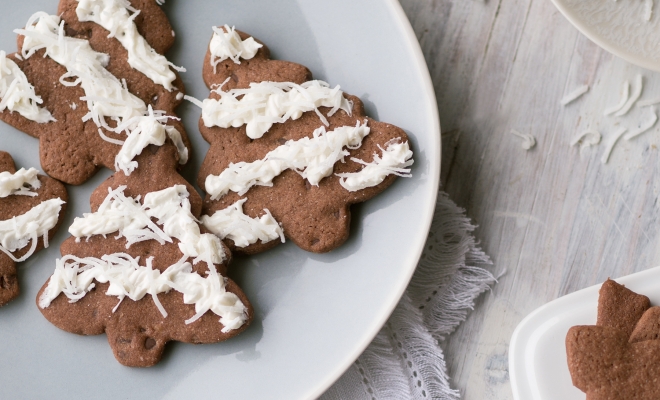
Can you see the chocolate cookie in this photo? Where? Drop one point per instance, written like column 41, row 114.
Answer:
column 619, row 357
column 152, row 281
column 20, row 203
column 71, row 147
column 314, row 215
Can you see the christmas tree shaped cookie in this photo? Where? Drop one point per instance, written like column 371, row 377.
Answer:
column 140, row 268
column 286, row 150
column 92, row 84
column 32, row 207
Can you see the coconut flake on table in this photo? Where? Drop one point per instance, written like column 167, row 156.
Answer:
column 645, row 126
column 625, row 95
column 636, row 94
column 608, row 150
column 574, row 95
column 587, row 138
column 528, row 141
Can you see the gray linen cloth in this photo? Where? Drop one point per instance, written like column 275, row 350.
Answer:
column 405, row 360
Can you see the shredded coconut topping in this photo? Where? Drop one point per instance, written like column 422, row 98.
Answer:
column 18, row 94
column 147, row 129
column 15, row 184
column 132, row 220
column 268, row 103
column 313, row 158
column 395, row 160
column 75, row 277
column 232, row 223
column 117, row 16
column 227, row 44
column 17, row 232
column 106, row 96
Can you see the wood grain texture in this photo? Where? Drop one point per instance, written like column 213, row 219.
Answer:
column 554, row 219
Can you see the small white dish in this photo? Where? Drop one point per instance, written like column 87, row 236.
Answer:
column 537, row 354
column 620, row 27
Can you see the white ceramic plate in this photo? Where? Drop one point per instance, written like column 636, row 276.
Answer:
column 314, row 313
column 537, row 353
column 620, row 27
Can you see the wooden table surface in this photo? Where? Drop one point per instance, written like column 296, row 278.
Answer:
column 555, row 219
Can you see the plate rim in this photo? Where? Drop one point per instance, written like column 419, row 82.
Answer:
column 396, row 10
column 592, row 35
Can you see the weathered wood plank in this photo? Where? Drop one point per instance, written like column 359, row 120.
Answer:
column 555, row 218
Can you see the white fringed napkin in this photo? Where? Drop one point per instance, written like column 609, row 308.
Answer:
column 405, row 361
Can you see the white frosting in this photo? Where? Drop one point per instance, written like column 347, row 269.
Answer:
column 75, row 277
column 170, row 209
column 14, row 184
column 17, row 232
column 132, row 220
column 268, row 103
column 227, row 44
column 313, row 158
column 106, row 96
column 232, row 223
column 115, row 16
column 396, row 157
column 18, row 94
column 148, row 129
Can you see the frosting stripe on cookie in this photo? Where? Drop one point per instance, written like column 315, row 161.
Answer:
column 15, row 184
column 106, row 96
column 313, row 158
column 394, row 161
column 115, row 16
column 18, row 94
column 75, row 277
column 266, row 103
column 232, row 223
column 227, row 44
column 145, row 130
column 171, row 209
column 16, row 233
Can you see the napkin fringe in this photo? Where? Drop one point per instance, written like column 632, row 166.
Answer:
column 405, row 360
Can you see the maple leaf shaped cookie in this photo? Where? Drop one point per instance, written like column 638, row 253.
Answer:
column 26, row 199
column 89, row 89
column 288, row 149
column 141, row 269
column 619, row 357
